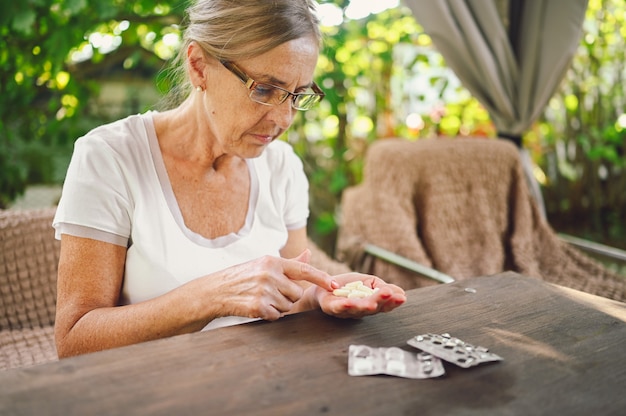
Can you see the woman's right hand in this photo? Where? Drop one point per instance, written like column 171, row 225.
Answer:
column 268, row 287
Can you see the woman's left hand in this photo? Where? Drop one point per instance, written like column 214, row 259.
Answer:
column 386, row 298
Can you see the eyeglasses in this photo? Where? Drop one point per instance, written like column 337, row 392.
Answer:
column 268, row 94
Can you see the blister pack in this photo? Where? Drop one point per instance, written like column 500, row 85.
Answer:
column 364, row 360
column 453, row 350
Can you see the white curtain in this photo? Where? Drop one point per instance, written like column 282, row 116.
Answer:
column 510, row 54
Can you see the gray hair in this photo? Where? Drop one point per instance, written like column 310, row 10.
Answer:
column 240, row 29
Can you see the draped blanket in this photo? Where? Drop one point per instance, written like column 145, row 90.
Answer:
column 463, row 207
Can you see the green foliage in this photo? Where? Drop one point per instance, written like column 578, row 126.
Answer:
column 583, row 133
column 355, row 69
column 44, row 95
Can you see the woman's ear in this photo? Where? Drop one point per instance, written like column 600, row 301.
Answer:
column 197, row 62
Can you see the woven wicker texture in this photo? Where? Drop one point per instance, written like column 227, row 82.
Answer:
column 461, row 206
column 29, row 255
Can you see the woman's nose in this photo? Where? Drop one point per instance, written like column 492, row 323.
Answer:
column 282, row 114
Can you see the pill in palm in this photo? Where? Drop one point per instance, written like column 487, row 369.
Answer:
column 354, row 289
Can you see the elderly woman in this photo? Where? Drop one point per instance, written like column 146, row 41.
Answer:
column 195, row 218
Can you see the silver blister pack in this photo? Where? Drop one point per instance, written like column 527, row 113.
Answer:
column 364, row 360
column 453, row 350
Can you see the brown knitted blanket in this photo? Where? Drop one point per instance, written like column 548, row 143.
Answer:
column 463, row 207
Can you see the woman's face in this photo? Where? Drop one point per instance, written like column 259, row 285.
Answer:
column 241, row 126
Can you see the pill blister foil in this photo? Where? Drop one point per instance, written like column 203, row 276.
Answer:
column 453, row 350
column 364, row 360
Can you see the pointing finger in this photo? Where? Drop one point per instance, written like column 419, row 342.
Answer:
column 298, row 270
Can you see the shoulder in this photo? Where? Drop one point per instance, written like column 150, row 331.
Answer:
column 120, row 135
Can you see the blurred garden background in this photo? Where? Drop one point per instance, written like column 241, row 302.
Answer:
column 69, row 65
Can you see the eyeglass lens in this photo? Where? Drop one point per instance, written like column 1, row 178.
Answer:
column 269, row 94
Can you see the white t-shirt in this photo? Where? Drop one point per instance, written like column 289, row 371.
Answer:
column 117, row 190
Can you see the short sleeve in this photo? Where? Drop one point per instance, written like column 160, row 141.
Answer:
column 95, row 192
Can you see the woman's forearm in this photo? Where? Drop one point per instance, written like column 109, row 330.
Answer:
column 174, row 313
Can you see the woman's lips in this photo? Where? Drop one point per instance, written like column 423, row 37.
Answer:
column 264, row 138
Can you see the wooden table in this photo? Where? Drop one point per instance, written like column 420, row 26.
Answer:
column 564, row 354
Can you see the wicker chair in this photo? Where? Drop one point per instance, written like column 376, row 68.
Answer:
column 458, row 208
column 28, row 272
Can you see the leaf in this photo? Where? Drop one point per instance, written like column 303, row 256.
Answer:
column 75, row 6
column 24, row 21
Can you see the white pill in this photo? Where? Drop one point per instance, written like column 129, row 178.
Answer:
column 354, row 290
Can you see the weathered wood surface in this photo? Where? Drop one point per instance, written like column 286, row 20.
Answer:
column 564, row 353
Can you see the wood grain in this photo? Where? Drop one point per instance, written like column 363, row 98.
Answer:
column 563, row 353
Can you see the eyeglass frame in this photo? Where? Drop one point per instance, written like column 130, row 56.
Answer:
column 251, row 85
